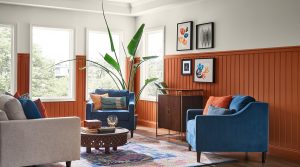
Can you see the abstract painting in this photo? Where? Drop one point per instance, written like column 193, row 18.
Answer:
column 186, row 67
column 205, row 36
column 204, row 70
column 184, row 36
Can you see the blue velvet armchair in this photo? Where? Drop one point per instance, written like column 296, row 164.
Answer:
column 125, row 117
column 244, row 131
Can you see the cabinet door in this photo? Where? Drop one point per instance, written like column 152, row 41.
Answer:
column 163, row 111
column 175, row 110
column 190, row 102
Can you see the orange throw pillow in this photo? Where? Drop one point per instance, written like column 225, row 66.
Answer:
column 41, row 108
column 97, row 100
column 17, row 95
column 222, row 102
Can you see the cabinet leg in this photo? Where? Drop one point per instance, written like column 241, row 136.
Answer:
column 88, row 150
column 115, row 148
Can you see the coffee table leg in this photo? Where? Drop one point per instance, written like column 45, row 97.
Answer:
column 115, row 148
column 106, row 150
column 88, row 150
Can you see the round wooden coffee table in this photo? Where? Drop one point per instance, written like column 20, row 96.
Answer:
column 105, row 140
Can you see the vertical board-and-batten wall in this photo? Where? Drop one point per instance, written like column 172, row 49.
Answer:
column 56, row 109
column 270, row 75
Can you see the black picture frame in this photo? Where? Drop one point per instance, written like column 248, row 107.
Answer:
column 184, row 63
column 179, row 46
column 205, row 39
column 211, row 78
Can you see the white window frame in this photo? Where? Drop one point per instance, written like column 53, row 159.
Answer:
column 14, row 57
column 102, row 30
column 143, row 71
column 72, row 68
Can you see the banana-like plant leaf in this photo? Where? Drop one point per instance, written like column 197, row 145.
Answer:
column 61, row 63
column 147, row 82
column 111, row 61
column 112, row 47
column 134, row 43
column 145, row 58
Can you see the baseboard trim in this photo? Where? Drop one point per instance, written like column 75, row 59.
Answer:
column 146, row 123
column 285, row 153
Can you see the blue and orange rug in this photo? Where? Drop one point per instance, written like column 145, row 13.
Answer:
column 144, row 151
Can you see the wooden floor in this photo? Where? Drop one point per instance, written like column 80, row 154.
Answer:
column 254, row 159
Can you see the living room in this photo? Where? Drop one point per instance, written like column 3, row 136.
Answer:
column 149, row 83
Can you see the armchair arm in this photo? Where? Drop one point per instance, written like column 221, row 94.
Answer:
column 244, row 131
column 192, row 113
column 131, row 104
column 89, row 109
column 39, row 141
column 131, row 109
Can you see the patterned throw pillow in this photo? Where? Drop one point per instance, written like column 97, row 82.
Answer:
column 113, row 103
column 96, row 98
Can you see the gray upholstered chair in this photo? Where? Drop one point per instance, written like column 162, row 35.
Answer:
column 37, row 141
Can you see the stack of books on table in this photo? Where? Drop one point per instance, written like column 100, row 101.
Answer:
column 91, row 126
column 88, row 130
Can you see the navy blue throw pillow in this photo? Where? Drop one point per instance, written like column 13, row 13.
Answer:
column 212, row 110
column 239, row 102
column 30, row 109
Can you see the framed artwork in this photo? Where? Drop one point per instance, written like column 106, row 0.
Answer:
column 186, row 67
column 204, row 70
column 205, row 36
column 184, row 36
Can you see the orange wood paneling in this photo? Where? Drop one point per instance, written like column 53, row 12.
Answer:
column 270, row 75
column 23, row 73
column 56, row 109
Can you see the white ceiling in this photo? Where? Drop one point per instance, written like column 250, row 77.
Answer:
column 118, row 7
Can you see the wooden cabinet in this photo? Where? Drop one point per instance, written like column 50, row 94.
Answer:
column 172, row 110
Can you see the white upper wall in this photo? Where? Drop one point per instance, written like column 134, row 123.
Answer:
column 239, row 24
column 23, row 17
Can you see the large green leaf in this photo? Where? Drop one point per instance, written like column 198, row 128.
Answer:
column 134, row 43
column 112, row 47
column 147, row 82
column 111, row 61
column 145, row 58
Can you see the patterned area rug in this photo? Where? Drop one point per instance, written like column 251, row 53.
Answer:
column 144, row 151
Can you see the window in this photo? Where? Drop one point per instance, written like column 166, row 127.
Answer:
column 51, row 81
column 7, row 58
column 153, row 46
column 98, row 44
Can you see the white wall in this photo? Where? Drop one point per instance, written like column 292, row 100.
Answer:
column 239, row 24
column 23, row 17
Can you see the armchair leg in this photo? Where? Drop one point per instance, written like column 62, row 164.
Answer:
column 68, row 164
column 132, row 134
column 246, row 156
column 263, row 157
column 198, row 156
column 190, row 148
